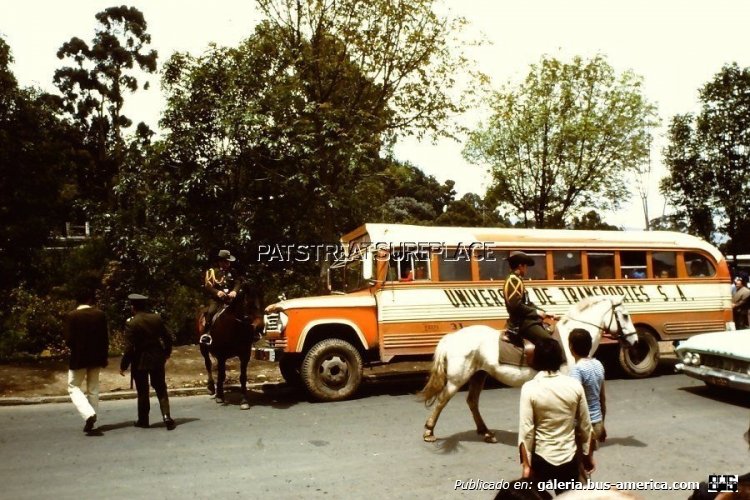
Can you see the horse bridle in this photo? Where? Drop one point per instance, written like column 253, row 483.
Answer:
column 620, row 336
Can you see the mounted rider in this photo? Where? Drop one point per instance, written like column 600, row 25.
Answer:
column 222, row 284
column 524, row 318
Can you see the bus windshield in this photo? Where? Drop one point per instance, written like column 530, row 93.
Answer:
column 347, row 275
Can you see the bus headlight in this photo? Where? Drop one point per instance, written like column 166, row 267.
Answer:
column 696, row 359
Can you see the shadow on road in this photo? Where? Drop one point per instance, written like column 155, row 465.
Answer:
column 452, row 444
column 721, row 394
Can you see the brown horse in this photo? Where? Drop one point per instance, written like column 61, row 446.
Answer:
column 236, row 327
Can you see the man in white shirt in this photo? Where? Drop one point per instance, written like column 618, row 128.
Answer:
column 553, row 410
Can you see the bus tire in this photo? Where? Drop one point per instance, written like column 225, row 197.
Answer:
column 640, row 360
column 332, row 370
column 290, row 366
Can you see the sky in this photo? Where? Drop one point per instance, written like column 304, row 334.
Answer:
column 675, row 45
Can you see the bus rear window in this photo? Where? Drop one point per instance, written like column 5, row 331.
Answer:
column 698, row 266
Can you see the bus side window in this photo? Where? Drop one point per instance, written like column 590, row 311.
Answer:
column 601, row 265
column 567, row 265
column 539, row 270
column 422, row 266
column 493, row 264
column 454, row 265
column 698, row 266
column 633, row 264
column 400, row 267
column 665, row 264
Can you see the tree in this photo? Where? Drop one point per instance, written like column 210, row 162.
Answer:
column 709, row 158
column 280, row 139
column 36, row 151
column 94, row 88
column 689, row 185
column 592, row 220
column 564, row 140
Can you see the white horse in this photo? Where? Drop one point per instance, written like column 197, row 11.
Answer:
column 470, row 354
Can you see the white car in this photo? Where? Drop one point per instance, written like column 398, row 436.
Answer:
column 720, row 359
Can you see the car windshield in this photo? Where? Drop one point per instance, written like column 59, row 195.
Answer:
column 345, row 276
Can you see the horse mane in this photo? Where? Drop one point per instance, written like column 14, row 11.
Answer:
column 589, row 302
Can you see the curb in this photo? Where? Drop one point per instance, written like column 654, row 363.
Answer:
column 110, row 396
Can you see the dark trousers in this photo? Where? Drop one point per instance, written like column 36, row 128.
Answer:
column 534, row 333
column 158, row 382
column 545, row 471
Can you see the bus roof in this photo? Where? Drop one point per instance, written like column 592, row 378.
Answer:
column 397, row 234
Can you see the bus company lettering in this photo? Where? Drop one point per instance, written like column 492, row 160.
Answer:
column 541, row 295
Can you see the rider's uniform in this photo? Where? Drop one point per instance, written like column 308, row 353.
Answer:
column 217, row 280
column 522, row 313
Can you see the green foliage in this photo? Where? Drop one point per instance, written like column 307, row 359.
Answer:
column 471, row 211
column 36, row 151
column 592, row 220
column 709, row 159
column 563, row 140
column 279, row 140
column 32, row 324
column 689, row 185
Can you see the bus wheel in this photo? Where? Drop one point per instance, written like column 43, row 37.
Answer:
column 332, row 370
column 289, row 366
column 640, row 360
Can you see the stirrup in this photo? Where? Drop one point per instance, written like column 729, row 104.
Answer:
column 205, row 339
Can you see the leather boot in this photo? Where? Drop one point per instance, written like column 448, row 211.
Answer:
column 164, row 406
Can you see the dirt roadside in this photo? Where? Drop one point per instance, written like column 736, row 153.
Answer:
column 185, row 369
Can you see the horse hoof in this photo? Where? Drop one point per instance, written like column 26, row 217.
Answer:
column 245, row 406
column 490, row 438
column 429, row 438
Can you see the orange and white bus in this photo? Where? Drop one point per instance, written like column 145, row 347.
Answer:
column 402, row 287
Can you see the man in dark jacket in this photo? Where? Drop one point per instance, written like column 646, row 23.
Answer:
column 87, row 338
column 523, row 316
column 148, row 345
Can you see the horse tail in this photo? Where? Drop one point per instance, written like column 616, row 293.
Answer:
column 438, row 377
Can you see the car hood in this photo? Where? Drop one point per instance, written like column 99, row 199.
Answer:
column 730, row 343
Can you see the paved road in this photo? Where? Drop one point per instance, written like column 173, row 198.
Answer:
column 666, row 428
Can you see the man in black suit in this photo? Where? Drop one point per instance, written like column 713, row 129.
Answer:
column 87, row 338
column 148, row 345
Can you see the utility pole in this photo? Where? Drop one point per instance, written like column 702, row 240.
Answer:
column 643, row 184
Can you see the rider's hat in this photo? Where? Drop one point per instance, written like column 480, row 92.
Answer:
column 137, row 298
column 518, row 257
column 226, row 255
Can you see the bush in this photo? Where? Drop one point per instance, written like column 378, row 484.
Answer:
column 180, row 311
column 33, row 325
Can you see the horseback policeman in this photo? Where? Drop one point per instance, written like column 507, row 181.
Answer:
column 524, row 318
column 221, row 284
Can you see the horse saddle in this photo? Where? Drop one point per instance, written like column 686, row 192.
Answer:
column 513, row 351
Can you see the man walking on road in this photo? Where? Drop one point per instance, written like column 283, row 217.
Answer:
column 87, row 338
column 148, row 345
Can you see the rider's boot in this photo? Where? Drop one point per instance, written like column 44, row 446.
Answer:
column 206, row 338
